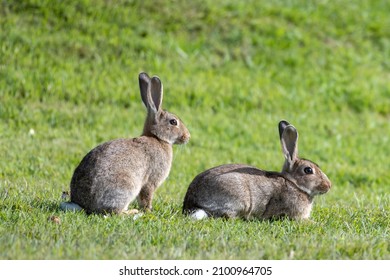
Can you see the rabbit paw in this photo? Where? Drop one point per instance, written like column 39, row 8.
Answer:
column 130, row 212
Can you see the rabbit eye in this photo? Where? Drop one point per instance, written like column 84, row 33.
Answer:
column 308, row 170
column 173, row 122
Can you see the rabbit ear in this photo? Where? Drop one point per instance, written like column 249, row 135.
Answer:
column 156, row 93
column 282, row 125
column 289, row 140
column 144, row 86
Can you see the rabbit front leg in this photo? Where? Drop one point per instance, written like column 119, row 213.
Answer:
column 145, row 197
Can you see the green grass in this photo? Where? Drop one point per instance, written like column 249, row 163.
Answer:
column 231, row 70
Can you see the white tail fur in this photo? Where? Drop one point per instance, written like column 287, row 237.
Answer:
column 70, row 206
column 199, row 214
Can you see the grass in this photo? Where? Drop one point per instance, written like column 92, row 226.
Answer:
column 231, row 70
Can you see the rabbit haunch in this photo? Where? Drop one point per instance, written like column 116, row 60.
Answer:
column 115, row 173
column 236, row 190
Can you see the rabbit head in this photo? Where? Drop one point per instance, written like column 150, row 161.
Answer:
column 160, row 123
column 305, row 174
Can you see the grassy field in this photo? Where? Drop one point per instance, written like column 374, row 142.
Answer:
column 231, row 70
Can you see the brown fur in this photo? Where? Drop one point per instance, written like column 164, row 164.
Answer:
column 235, row 190
column 114, row 173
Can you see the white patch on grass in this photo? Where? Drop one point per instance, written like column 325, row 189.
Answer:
column 31, row 132
column 137, row 216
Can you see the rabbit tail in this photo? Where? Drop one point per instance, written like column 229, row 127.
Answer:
column 70, row 206
column 199, row 214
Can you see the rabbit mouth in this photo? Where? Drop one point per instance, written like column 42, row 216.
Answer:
column 323, row 190
column 183, row 139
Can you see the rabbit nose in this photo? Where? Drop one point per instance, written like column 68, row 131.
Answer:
column 186, row 137
column 328, row 183
column 183, row 139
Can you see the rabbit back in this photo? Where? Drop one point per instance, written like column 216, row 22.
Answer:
column 230, row 190
column 111, row 175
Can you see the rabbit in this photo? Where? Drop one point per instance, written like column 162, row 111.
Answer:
column 242, row 191
column 114, row 173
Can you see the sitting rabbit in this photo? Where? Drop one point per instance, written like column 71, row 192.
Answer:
column 114, row 173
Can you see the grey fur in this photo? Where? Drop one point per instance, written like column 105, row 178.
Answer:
column 117, row 172
column 242, row 191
